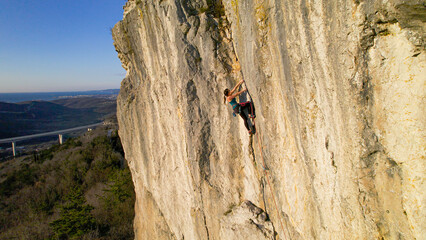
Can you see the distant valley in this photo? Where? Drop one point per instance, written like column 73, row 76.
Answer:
column 49, row 96
column 32, row 117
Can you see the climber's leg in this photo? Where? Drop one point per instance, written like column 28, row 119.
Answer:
column 244, row 117
column 243, row 111
column 252, row 110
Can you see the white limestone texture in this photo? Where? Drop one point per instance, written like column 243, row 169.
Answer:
column 339, row 91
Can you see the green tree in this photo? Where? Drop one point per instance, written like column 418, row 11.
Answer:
column 120, row 188
column 116, row 217
column 75, row 219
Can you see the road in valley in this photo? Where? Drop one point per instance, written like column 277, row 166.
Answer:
column 15, row 139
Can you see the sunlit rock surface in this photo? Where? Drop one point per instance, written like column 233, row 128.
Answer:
column 339, row 89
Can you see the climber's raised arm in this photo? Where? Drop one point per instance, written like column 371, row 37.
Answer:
column 235, row 88
column 237, row 94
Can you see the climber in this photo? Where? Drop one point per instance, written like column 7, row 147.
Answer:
column 239, row 107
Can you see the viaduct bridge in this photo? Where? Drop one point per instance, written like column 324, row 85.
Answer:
column 59, row 133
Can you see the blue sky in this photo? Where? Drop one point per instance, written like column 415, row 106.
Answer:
column 58, row 45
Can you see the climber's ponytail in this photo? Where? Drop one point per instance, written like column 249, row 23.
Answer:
column 226, row 92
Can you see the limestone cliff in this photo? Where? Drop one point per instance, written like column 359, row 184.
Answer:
column 339, row 90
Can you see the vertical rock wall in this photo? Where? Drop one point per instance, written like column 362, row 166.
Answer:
column 339, row 93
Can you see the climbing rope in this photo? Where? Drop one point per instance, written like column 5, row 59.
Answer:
column 265, row 171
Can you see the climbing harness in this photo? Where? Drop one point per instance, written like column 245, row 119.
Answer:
column 239, row 106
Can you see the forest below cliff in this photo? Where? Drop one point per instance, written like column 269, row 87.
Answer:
column 79, row 190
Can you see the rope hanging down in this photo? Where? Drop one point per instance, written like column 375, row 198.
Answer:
column 265, row 172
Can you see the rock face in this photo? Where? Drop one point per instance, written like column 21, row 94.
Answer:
column 339, row 90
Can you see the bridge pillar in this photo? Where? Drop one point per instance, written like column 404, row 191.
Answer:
column 14, row 148
column 60, row 139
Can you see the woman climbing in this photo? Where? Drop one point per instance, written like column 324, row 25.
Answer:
column 239, row 107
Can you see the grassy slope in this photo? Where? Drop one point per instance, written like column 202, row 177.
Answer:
column 35, row 190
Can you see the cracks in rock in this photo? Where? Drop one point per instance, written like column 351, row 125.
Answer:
column 361, row 200
column 262, row 187
column 204, row 215
column 394, row 167
column 149, row 199
column 369, row 141
column 262, row 184
column 216, row 24
column 260, row 178
column 293, row 233
column 376, row 167
column 204, row 177
column 327, row 146
column 193, row 58
column 198, row 137
column 251, row 151
column 416, row 54
column 204, row 155
column 409, row 16
column 375, row 25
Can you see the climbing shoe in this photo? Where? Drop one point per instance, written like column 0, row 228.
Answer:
column 252, row 116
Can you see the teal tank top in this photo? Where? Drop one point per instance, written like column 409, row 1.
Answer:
column 234, row 103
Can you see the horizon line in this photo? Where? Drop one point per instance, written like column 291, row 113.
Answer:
column 62, row 91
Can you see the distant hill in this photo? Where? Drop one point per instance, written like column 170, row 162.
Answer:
column 18, row 119
column 100, row 105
